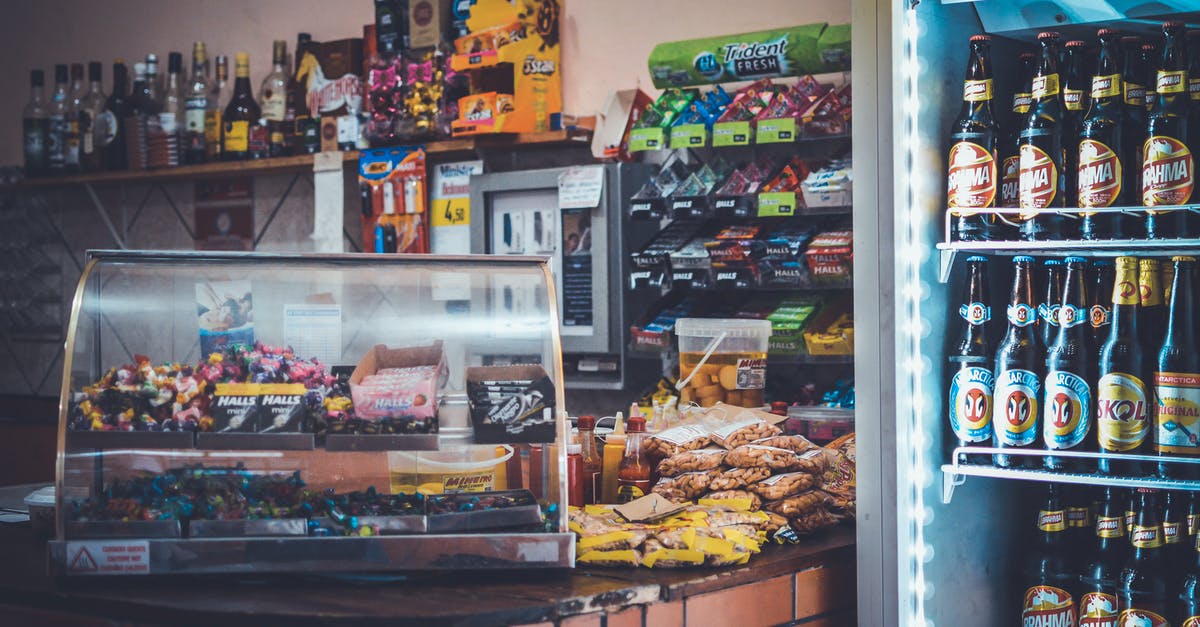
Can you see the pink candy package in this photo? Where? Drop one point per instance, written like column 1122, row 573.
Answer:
column 398, row 382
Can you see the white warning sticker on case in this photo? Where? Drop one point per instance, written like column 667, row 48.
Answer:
column 120, row 557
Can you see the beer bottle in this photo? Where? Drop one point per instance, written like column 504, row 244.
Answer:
column 1133, row 126
column 1019, row 361
column 1131, row 503
column 1149, row 66
column 1177, row 377
column 975, row 137
column 1079, row 525
column 1102, row 289
column 1193, row 68
column 1074, row 107
column 1142, row 587
column 1193, row 514
column 1168, row 168
column 1103, row 561
column 1010, row 168
column 1152, row 317
column 1048, row 308
column 1122, row 408
column 971, row 382
column 1167, row 274
column 1041, row 150
column 1189, row 595
column 1101, row 158
column 1069, row 403
column 1175, row 547
column 1049, row 582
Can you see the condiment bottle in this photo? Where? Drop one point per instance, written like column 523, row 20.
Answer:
column 575, row 482
column 591, row 464
column 614, row 449
column 633, row 475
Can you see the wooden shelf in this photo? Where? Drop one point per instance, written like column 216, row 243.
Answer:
column 304, row 163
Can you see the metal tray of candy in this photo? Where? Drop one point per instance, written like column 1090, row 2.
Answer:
column 381, row 525
column 498, row 551
column 255, row 441
column 105, row 529
column 103, row 440
column 467, row 512
column 247, row 528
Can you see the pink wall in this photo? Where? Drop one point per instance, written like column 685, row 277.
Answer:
column 605, row 43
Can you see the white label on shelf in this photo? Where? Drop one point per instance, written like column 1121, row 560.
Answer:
column 109, row 557
column 580, row 187
column 537, row 552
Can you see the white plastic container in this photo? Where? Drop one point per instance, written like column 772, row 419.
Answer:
column 722, row 360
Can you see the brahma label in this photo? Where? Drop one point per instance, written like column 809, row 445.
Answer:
column 1110, row 526
column 1052, row 520
column 1073, row 99
column 1106, row 86
column 1045, row 86
column 972, row 178
column 1141, row 618
column 1021, row 102
column 1192, row 621
column 977, row 91
column 1068, row 407
column 1097, row 609
column 1099, row 174
column 1178, row 412
column 1047, row 606
column 1149, row 537
column 1039, row 178
column 1122, row 412
column 1016, row 399
column 1171, row 532
column 1168, row 171
column 1077, row 517
column 971, row 404
column 1171, row 82
column 1010, row 181
column 1134, row 94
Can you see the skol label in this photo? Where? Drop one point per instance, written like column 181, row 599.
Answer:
column 1140, row 618
column 972, row 179
column 971, row 404
column 1047, row 606
column 1177, row 415
column 1039, row 178
column 1097, row 609
column 1122, row 412
column 1099, row 174
column 1168, row 171
column 1016, row 412
column 1068, row 407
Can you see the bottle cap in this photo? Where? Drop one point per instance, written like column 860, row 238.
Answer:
column 37, row 78
column 586, row 422
column 1075, row 260
column 1048, row 36
column 1052, row 262
column 1172, row 25
column 1107, row 32
column 95, row 71
column 1022, row 259
column 1075, row 43
column 976, row 258
column 637, row 424
column 635, row 411
column 981, row 37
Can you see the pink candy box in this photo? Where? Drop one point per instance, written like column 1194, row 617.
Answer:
column 397, row 382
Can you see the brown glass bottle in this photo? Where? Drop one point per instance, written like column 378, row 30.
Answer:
column 241, row 114
column 1168, row 167
column 1018, row 372
column 1048, row 307
column 1100, row 155
column 969, row 398
column 1075, row 90
column 972, row 165
column 1010, row 167
column 1103, row 561
column 1177, row 376
column 1041, row 150
column 1142, row 587
column 1069, row 398
column 1152, row 311
column 1122, row 404
column 1048, row 581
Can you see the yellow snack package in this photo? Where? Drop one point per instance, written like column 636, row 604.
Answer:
column 625, row 558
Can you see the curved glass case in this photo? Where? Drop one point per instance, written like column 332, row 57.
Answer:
column 264, row 412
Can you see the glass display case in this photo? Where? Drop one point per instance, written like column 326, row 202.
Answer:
column 231, row 412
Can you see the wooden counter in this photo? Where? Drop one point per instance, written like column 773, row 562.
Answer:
column 815, row 579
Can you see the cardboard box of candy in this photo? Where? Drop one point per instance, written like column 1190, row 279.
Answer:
column 399, row 383
column 511, row 404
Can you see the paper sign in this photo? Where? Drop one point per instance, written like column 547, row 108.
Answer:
column 648, row 509
column 580, row 187
column 224, row 214
column 314, row 331
column 450, row 207
column 776, row 131
column 688, row 136
column 731, row 134
column 118, row 557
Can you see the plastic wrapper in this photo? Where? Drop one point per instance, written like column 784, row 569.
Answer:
column 624, row 558
column 719, row 519
column 795, row 443
column 692, row 461
column 614, row 540
column 750, row 500
column 813, row 520
column 774, row 522
column 686, row 486
column 839, row 480
column 671, row 558
column 777, row 459
column 677, row 440
column 799, row 504
column 782, row 486
column 744, row 431
column 738, row 478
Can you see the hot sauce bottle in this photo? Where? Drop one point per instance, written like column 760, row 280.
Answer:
column 633, row 475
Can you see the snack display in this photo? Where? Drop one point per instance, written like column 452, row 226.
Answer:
column 511, row 404
column 782, row 486
column 692, row 461
column 758, row 456
column 738, row 478
column 678, row 439
column 800, row 504
column 744, row 431
column 686, row 486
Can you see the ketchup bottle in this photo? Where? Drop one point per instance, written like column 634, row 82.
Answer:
column 633, row 475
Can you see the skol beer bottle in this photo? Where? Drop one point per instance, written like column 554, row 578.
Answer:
column 1122, row 406
column 1049, row 582
column 1010, row 167
column 1101, row 150
column 1102, row 565
column 1142, row 588
column 1152, row 316
column 1074, row 107
column 971, row 379
column 1177, row 377
column 1102, row 289
column 1019, row 362
column 1168, row 167
column 1048, row 308
column 1041, row 150
column 1069, row 402
column 973, row 167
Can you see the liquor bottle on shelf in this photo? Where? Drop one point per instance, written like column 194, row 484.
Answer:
column 1010, row 167
column 1074, row 107
column 1168, row 166
column 241, row 114
column 71, row 131
column 56, row 140
column 971, row 381
column 1152, row 314
column 94, row 121
column 1069, row 398
column 163, row 132
column 273, row 97
column 196, row 107
column 1103, row 561
column 1177, row 376
column 1133, row 126
column 1018, row 372
column 1122, row 405
column 1142, row 587
column 1101, row 176
column 1049, row 582
column 213, row 108
column 113, row 144
column 1048, row 308
column 34, row 124
column 1041, row 150
column 306, row 136
column 975, row 139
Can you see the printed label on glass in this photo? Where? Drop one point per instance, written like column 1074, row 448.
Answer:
column 1097, row 609
column 1047, row 605
column 1141, row 618
column 1010, row 181
column 972, row 176
column 1171, row 82
column 1044, row 86
column 977, row 91
column 1146, row 537
column 1077, row 517
column 1049, row 313
column 975, row 313
column 1021, row 315
column 1135, row 94
column 1127, row 293
column 1068, row 408
column 1110, row 526
column 237, row 136
column 1016, row 402
column 1171, row 533
column 1072, row 316
column 1039, row 178
column 1073, row 99
column 1177, row 414
column 1191, row 621
column 971, row 404
column 1022, row 102
column 193, row 120
column 1122, row 412
column 1099, row 316
column 1052, row 520
column 1099, row 174
column 1106, row 86
column 1168, row 171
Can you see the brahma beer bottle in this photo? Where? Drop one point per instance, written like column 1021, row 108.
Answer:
column 1074, row 107
column 971, row 379
column 1019, row 362
column 1193, row 67
column 1142, row 588
column 1101, row 174
column 1069, row 401
column 1148, row 58
column 1133, row 126
column 1102, row 565
column 1175, row 546
column 1010, row 168
column 1122, row 405
column 1048, row 596
column 1041, row 150
column 1177, row 377
column 1078, row 500
column 1168, row 168
column 973, row 169
column 1048, row 308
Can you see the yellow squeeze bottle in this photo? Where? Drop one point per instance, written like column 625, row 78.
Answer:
column 614, row 450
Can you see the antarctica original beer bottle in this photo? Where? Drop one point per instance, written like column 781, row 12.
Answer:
column 1018, row 370
column 1069, row 400
column 971, row 383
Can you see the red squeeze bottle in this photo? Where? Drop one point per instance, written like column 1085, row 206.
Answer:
column 633, row 475
column 574, row 476
column 591, row 464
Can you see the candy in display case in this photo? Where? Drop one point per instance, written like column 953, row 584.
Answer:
column 229, row 412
